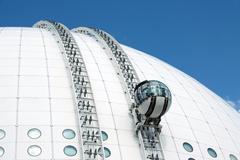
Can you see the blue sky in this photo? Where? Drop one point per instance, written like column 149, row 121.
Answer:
column 202, row 38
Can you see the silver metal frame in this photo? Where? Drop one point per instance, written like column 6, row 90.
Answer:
column 149, row 139
column 89, row 129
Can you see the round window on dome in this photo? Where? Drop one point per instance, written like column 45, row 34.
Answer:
column 34, row 150
column 212, row 152
column 2, row 151
column 107, row 152
column 104, row 136
column 188, row 147
column 70, row 151
column 68, row 134
column 34, row 133
column 233, row 157
column 2, row 134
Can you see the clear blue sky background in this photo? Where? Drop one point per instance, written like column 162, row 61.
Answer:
column 200, row 37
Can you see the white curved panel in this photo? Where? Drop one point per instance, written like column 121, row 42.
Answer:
column 35, row 92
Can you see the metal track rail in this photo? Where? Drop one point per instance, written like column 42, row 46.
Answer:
column 89, row 129
column 149, row 138
column 119, row 58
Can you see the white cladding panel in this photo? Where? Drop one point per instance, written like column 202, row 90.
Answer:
column 35, row 92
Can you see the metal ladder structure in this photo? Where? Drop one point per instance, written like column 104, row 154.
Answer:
column 148, row 135
column 91, row 139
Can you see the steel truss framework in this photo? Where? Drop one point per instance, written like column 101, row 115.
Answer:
column 148, row 135
column 91, row 139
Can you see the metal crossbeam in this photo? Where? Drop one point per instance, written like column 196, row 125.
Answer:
column 91, row 140
column 149, row 138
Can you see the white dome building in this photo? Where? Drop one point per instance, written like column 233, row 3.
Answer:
column 66, row 95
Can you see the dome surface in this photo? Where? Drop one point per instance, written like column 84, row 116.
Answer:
column 39, row 117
